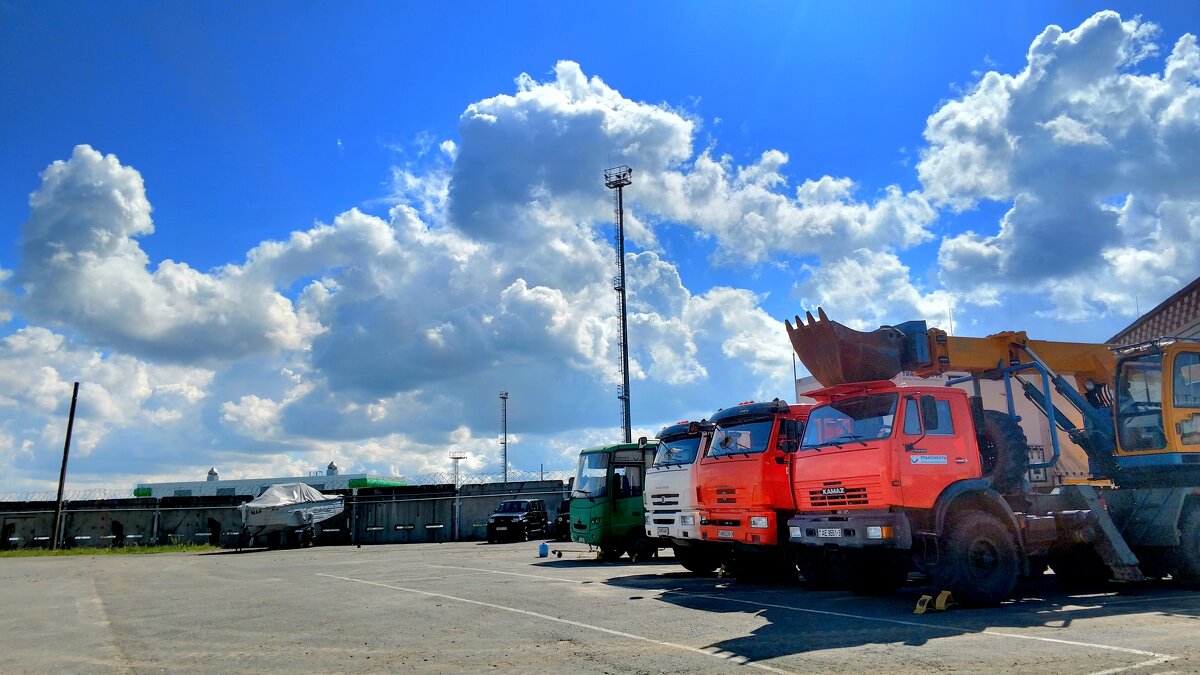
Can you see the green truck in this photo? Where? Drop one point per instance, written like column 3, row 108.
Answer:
column 607, row 510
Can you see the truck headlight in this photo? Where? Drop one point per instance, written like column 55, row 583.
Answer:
column 595, row 521
column 687, row 520
column 760, row 522
column 794, row 531
column 879, row 532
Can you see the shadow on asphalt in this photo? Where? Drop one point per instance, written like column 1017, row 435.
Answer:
column 799, row 621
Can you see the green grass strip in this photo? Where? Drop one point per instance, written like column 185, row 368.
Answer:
column 126, row 550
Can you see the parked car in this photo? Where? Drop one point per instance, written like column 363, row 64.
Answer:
column 518, row 519
column 562, row 521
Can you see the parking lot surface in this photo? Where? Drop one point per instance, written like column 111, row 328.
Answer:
column 470, row 607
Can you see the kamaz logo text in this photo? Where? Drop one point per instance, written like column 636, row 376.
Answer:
column 833, row 491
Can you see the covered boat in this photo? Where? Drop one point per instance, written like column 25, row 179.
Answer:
column 288, row 506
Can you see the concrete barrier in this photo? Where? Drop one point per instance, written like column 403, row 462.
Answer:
column 391, row 515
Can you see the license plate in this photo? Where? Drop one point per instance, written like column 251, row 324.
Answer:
column 663, row 531
column 725, row 534
column 501, row 529
column 829, row 532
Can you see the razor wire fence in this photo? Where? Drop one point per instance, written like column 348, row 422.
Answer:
column 89, row 494
column 437, row 478
column 447, row 477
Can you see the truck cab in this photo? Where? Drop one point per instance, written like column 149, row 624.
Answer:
column 672, row 507
column 745, row 484
column 607, row 506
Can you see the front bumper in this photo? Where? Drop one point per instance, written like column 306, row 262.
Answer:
column 670, row 525
column 509, row 530
column 883, row 529
column 739, row 527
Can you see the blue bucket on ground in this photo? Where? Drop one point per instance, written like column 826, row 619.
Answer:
column 543, row 550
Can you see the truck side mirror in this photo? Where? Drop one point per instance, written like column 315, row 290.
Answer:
column 642, row 443
column 789, row 436
column 929, row 413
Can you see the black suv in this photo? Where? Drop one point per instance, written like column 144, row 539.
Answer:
column 517, row 519
column 562, row 521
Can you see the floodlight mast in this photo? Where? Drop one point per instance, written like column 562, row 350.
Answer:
column 456, row 456
column 617, row 178
column 504, row 433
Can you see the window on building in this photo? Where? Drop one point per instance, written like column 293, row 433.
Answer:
column 226, row 492
column 183, row 493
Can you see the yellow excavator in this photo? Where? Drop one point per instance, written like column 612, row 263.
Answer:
column 1140, row 403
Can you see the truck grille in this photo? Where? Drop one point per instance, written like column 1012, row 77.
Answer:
column 839, row 494
column 664, row 499
column 727, row 496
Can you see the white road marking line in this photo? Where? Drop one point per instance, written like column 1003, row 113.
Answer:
column 1143, row 664
column 954, row 629
column 513, row 574
column 1193, row 596
column 569, row 622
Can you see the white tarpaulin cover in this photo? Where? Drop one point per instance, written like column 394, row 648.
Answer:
column 288, row 493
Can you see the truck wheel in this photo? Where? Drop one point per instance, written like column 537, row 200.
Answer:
column 642, row 550
column 980, row 560
column 817, row 569
column 873, row 574
column 1003, row 450
column 697, row 562
column 1187, row 564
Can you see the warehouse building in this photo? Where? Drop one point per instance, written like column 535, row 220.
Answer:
column 214, row 486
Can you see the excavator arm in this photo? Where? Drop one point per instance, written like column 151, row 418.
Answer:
column 837, row 354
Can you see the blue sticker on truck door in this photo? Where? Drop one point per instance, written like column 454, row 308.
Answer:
column 928, row 459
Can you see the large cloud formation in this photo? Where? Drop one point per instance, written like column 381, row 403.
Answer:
column 1096, row 153
column 379, row 340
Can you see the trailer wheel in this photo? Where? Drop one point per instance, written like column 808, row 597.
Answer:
column 1003, row 450
column 1080, row 568
column 980, row 560
column 872, row 573
column 611, row 553
column 1188, row 553
column 697, row 562
column 817, row 568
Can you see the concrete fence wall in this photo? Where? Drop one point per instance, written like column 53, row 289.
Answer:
column 393, row 515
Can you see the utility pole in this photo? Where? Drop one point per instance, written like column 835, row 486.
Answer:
column 617, row 178
column 456, row 456
column 62, row 474
column 504, row 433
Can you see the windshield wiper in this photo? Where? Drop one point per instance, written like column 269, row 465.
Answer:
column 854, row 437
column 585, row 493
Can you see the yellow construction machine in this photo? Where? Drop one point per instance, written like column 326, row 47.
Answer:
column 1140, row 403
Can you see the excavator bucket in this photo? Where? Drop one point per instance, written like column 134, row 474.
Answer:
column 835, row 354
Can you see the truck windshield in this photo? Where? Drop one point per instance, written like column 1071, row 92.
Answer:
column 742, row 438
column 592, row 480
column 1139, row 404
column 677, row 451
column 850, row 420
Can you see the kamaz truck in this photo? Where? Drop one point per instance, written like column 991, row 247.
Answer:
column 672, row 496
column 607, row 508
column 745, row 486
column 891, row 478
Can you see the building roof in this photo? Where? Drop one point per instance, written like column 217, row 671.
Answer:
column 1176, row 316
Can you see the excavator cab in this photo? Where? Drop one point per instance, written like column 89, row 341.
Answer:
column 1158, row 408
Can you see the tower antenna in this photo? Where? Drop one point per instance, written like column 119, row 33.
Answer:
column 504, row 433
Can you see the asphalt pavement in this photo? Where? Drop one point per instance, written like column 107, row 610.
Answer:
column 471, row 607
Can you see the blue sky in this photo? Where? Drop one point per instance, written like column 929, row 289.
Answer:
column 250, row 299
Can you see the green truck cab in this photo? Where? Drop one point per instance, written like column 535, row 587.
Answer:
column 607, row 509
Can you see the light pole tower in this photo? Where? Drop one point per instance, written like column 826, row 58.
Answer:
column 504, row 433
column 617, row 178
column 456, row 456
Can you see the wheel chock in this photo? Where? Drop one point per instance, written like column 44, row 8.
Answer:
column 943, row 602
